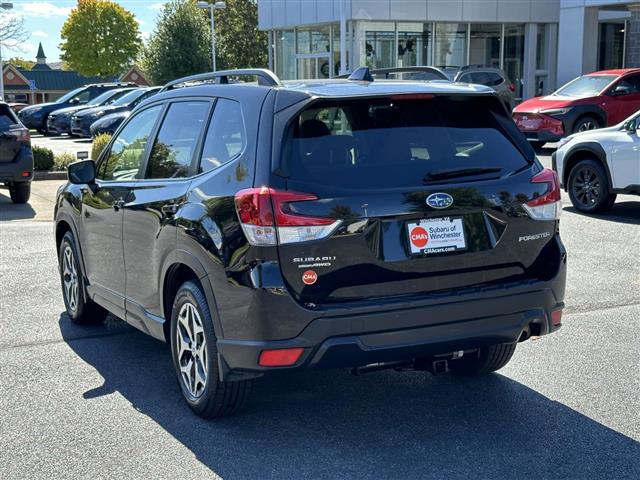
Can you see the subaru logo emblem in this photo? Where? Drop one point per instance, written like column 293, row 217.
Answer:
column 439, row 200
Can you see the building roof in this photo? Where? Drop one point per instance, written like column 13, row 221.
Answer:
column 49, row 79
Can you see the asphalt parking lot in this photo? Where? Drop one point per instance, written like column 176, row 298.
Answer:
column 102, row 402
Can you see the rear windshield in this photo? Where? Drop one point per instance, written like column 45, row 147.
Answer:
column 7, row 118
column 399, row 142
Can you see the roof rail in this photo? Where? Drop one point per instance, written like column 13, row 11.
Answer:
column 359, row 74
column 477, row 65
column 265, row 77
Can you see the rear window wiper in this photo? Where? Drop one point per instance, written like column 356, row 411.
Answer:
column 460, row 172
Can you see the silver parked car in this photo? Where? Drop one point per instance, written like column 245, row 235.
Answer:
column 484, row 75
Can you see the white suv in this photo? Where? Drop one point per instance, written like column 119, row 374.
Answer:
column 596, row 165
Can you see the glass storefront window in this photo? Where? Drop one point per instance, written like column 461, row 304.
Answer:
column 313, row 40
column 484, row 44
column 379, row 44
column 414, row 44
column 285, row 54
column 335, row 43
column 451, row 44
column 514, row 55
column 611, row 48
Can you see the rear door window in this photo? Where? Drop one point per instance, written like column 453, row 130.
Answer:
column 387, row 143
column 173, row 150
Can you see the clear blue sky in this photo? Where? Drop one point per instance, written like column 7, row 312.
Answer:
column 43, row 20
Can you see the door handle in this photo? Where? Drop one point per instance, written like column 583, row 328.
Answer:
column 170, row 209
column 118, row 204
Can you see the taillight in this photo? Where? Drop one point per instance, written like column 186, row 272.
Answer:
column 267, row 219
column 20, row 134
column 548, row 205
column 512, row 87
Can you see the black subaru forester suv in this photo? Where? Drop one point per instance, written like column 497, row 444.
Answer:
column 313, row 224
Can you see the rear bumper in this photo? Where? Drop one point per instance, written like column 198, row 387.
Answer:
column 12, row 172
column 461, row 323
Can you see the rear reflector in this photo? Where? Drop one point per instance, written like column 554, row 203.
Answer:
column 25, row 174
column 556, row 317
column 546, row 206
column 267, row 219
column 282, row 357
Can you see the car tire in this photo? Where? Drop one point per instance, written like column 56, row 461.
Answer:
column 195, row 358
column 485, row 360
column 588, row 187
column 20, row 192
column 586, row 123
column 81, row 310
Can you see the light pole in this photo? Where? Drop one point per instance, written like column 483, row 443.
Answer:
column 3, row 6
column 211, row 7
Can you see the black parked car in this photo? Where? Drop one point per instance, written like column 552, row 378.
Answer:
column 81, row 122
column 338, row 223
column 59, row 121
column 108, row 124
column 16, row 157
column 35, row 116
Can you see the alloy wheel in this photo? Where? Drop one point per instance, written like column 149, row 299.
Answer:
column 192, row 350
column 70, row 279
column 587, row 187
column 587, row 125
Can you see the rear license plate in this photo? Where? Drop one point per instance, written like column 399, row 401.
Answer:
column 436, row 235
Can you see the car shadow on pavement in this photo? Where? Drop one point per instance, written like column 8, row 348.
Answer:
column 621, row 212
column 12, row 211
column 330, row 424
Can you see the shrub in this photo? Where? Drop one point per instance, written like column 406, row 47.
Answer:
column 42, row 158
column 99, row 142
column 62, row 160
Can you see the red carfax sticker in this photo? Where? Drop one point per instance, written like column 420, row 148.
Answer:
column 309, row 277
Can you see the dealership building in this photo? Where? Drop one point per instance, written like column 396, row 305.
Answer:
column 538, row 43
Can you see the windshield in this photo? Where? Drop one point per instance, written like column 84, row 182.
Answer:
column 586, row 86
column 131, row 96
column 387, row 143
column 70, row 95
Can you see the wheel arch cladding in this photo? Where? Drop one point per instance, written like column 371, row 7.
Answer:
column 590, row 111
column 62, row 227
column 591, row 151
column 176, row 275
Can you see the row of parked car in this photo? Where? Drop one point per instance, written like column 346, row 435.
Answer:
column 86, row 111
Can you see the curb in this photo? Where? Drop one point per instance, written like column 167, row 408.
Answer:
column 43, row 175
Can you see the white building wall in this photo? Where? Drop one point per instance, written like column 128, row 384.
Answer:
column 288, row 13
column 578, row 35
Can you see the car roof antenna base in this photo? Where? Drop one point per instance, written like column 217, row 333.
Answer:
column 361, row 74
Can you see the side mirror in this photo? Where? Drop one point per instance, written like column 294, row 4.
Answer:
column 622, row 90
column 82, row 172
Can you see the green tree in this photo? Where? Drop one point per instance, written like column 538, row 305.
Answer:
column 100, row 38
column 180, row 43
column 21, row 63
column 239, row 43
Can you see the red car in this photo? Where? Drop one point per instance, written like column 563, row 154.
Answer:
column 595, row 100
